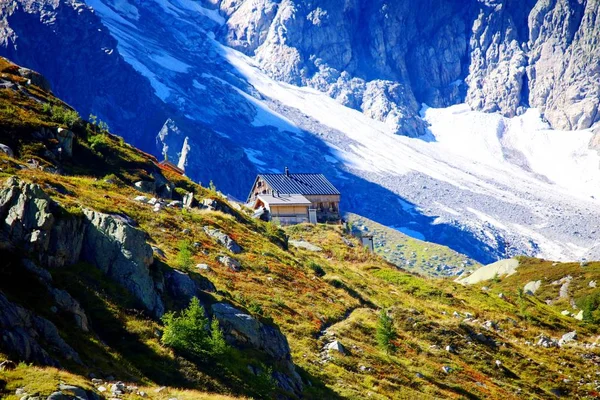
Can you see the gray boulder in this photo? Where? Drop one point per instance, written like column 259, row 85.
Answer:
column 144, row 186
column 243, row 330
column 223, row 239
column 567, row 337
column 532, row 287
column 65, row 140
column 68, row 304
column 188, row 200
column 303, row 244
column 547, row 342
column 336, row 346
column 183, row 288
column 6, row 150
column 121, row 251
column 162, row 186
column 35, row 78
column 70, row 392
column 230, row 263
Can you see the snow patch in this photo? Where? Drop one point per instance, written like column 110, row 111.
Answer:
column 169, row 62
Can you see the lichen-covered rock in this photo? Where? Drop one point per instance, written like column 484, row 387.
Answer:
column 183, row 288
column 26, row 215
column 67, row 303
column 121, row 251
column 33, row 222
column 223, row 239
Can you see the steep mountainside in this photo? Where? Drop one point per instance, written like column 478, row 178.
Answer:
column 386, row 58
column 98, row 241
column 166, row 75
column 80, row 57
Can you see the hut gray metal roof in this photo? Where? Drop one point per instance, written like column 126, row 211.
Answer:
column 311, row 184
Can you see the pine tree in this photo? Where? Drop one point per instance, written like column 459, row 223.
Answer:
column 385, row 332
column 218, row 345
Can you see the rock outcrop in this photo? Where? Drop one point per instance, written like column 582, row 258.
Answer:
column 122, row 253
column 243, row 330
column 34, row 223
column 27, row 336
column 223, row 239
column 183, row 288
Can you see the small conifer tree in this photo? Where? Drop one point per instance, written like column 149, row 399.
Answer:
column 385, row 332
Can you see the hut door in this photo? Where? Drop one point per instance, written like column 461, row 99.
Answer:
column 312, row 215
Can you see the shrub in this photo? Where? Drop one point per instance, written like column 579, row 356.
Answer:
column 65, row 116
column 385, row 332
column 264, row 382
column 255, row 308
column 590, row 304
column 184, row 256
column 191, row 332
column 316, row 268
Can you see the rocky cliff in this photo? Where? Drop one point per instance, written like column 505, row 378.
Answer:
column 386, row 58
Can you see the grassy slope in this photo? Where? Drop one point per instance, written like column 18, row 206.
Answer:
column 414, row 255
column 280, row 286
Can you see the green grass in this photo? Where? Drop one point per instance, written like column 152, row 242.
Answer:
column 408, row 253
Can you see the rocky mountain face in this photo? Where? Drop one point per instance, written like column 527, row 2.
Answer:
column 386, row 58
column 80, row 58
